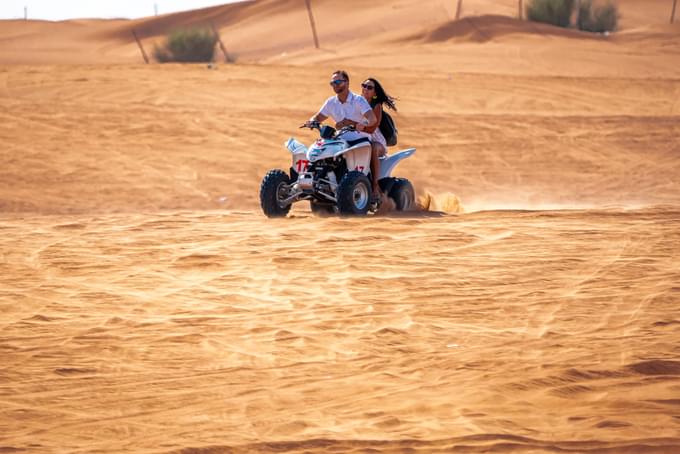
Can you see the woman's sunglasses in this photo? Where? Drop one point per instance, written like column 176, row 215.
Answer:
column 337, row 81
column 367, row 86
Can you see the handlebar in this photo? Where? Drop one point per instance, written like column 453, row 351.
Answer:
column 311, row 125
column 317, row 125
column 347, row 129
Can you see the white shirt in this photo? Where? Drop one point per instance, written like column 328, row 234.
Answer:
column 353, row 109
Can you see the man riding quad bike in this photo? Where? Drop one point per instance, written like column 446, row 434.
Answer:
column 333, row 174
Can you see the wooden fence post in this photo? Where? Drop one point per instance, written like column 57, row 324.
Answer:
column 219, row 41
column 673, row 12
column 139, row 43
column 311, row 22
column 25, row 12
column 459, row 8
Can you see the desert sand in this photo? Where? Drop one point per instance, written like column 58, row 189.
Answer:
column 529, row 305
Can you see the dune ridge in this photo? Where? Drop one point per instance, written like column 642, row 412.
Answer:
column 246, row 28
column 490, row 27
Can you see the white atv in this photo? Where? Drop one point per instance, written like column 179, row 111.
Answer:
column 334, row 175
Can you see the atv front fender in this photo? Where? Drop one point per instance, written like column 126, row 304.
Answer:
column 295, row 146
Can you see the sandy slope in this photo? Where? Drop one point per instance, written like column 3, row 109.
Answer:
column 166, row 137
column 542, row 331
column 147, row 305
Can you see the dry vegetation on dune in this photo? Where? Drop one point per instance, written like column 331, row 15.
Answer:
column 195, row 45
column 147, row 305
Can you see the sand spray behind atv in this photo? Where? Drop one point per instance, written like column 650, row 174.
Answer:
column 333, row 174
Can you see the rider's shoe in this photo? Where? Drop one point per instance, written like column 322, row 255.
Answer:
column 376, row 200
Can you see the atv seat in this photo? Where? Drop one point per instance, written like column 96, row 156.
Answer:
column 351, row 143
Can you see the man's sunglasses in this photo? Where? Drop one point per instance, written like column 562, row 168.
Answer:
column 368, row 87
column 337, row 81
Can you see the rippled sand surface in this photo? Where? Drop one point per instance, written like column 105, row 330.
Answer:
column 538, row 331
column 530, row 304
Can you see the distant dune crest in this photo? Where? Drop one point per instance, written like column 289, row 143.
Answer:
column 489, row 27
column 279, row 29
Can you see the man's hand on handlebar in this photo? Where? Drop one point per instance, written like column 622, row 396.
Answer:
column 345, row 123
column 311, row 124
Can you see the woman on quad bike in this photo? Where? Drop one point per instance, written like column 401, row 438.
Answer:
column 376, row 96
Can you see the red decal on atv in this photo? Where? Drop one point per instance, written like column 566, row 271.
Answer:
column 302, row 165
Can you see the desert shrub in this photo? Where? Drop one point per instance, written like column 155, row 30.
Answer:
column 598, row 19
column 555, row 12
column 192, row 45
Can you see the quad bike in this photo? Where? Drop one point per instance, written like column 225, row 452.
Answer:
column 333, row 174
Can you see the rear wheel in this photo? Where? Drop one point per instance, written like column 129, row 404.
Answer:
column 403, row 194
column 274, row 190
column 354, row 193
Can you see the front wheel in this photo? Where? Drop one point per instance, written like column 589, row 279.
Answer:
column 354, row 193
column 403, row 194
column 273, row 192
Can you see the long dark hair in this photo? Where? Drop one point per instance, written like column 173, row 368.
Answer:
column 381, row 97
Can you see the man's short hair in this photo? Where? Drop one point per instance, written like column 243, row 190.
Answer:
column 343, row 73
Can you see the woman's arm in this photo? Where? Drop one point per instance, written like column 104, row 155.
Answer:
column 377, row 110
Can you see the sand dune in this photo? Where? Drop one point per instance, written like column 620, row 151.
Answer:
column 147, row 305
column 188, row 136
column 355, row 29
column 494, row 27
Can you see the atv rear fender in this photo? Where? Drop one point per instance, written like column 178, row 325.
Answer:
column 389, row 162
